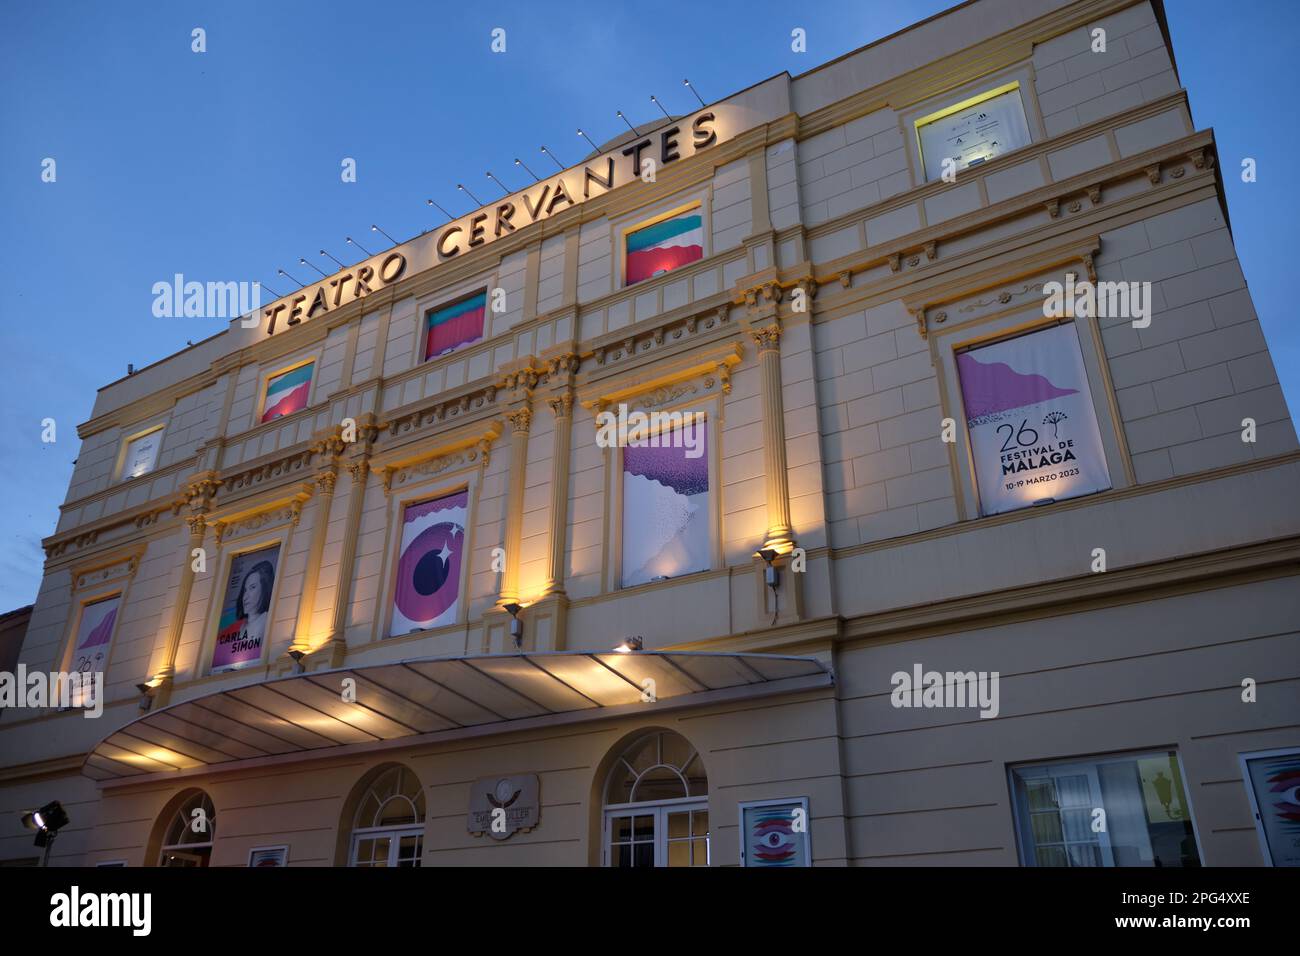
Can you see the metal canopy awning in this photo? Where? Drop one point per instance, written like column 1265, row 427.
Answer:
column 427, row 700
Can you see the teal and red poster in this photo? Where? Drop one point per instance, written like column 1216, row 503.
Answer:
column 775, row 833
column 455, row 325
column 287, row 392
column 665, row 246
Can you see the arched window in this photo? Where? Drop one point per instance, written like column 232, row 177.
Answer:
column 657, row 804
column 187, row 841
column 388, row 829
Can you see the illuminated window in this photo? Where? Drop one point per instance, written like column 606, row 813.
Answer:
column 661, row 247
column 388, row 829
column 656, row 805
column 1030, row 420
column 666, row 509
column 448, row 327
column 190, row 833
column 141, row 454
column 287, row 392
column 1121, row 811
column 973, row 131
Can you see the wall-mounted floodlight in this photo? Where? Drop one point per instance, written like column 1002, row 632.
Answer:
column 516, row 625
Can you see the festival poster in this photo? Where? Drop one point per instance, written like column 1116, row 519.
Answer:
column 1275, row 782
column 666, row 505
column 245, row 610
column 665, row 246
column 775, row 833
column 974, row 135
column 287, row 392
column 432, row 553
column 455, row 325
column 1033, row 430
column 90, row 650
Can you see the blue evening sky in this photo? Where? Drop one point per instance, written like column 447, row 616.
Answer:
column 225, row 165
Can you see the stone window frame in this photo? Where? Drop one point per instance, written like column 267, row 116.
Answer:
column 968, row 94
column 947, row 341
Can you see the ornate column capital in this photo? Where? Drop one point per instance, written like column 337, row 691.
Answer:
column 200, row 490
column 767, row 337
column 325, row 481
column 561, row 403
column 521, row 419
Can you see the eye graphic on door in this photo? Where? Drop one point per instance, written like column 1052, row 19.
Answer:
column 774, row 840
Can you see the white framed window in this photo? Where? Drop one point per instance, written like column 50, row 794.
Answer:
column 973, row 131
column 656, row 808
column 1129, row 810
column 140, row 453
column 189, row 836
column 388, row 829
column 972, row 124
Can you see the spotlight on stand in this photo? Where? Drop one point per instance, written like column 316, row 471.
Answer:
column 47, row 822
column 629, row 645
column 516, row 625
column 297, row 656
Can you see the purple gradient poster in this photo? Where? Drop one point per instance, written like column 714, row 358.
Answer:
column 1033, row 430
column 427, row 591
column 666, row 505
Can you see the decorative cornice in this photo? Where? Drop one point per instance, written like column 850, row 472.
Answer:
column 698, row 375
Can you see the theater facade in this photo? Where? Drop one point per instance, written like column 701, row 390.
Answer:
column 879, row 466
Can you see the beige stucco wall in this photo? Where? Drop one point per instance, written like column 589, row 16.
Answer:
column 900, row 566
